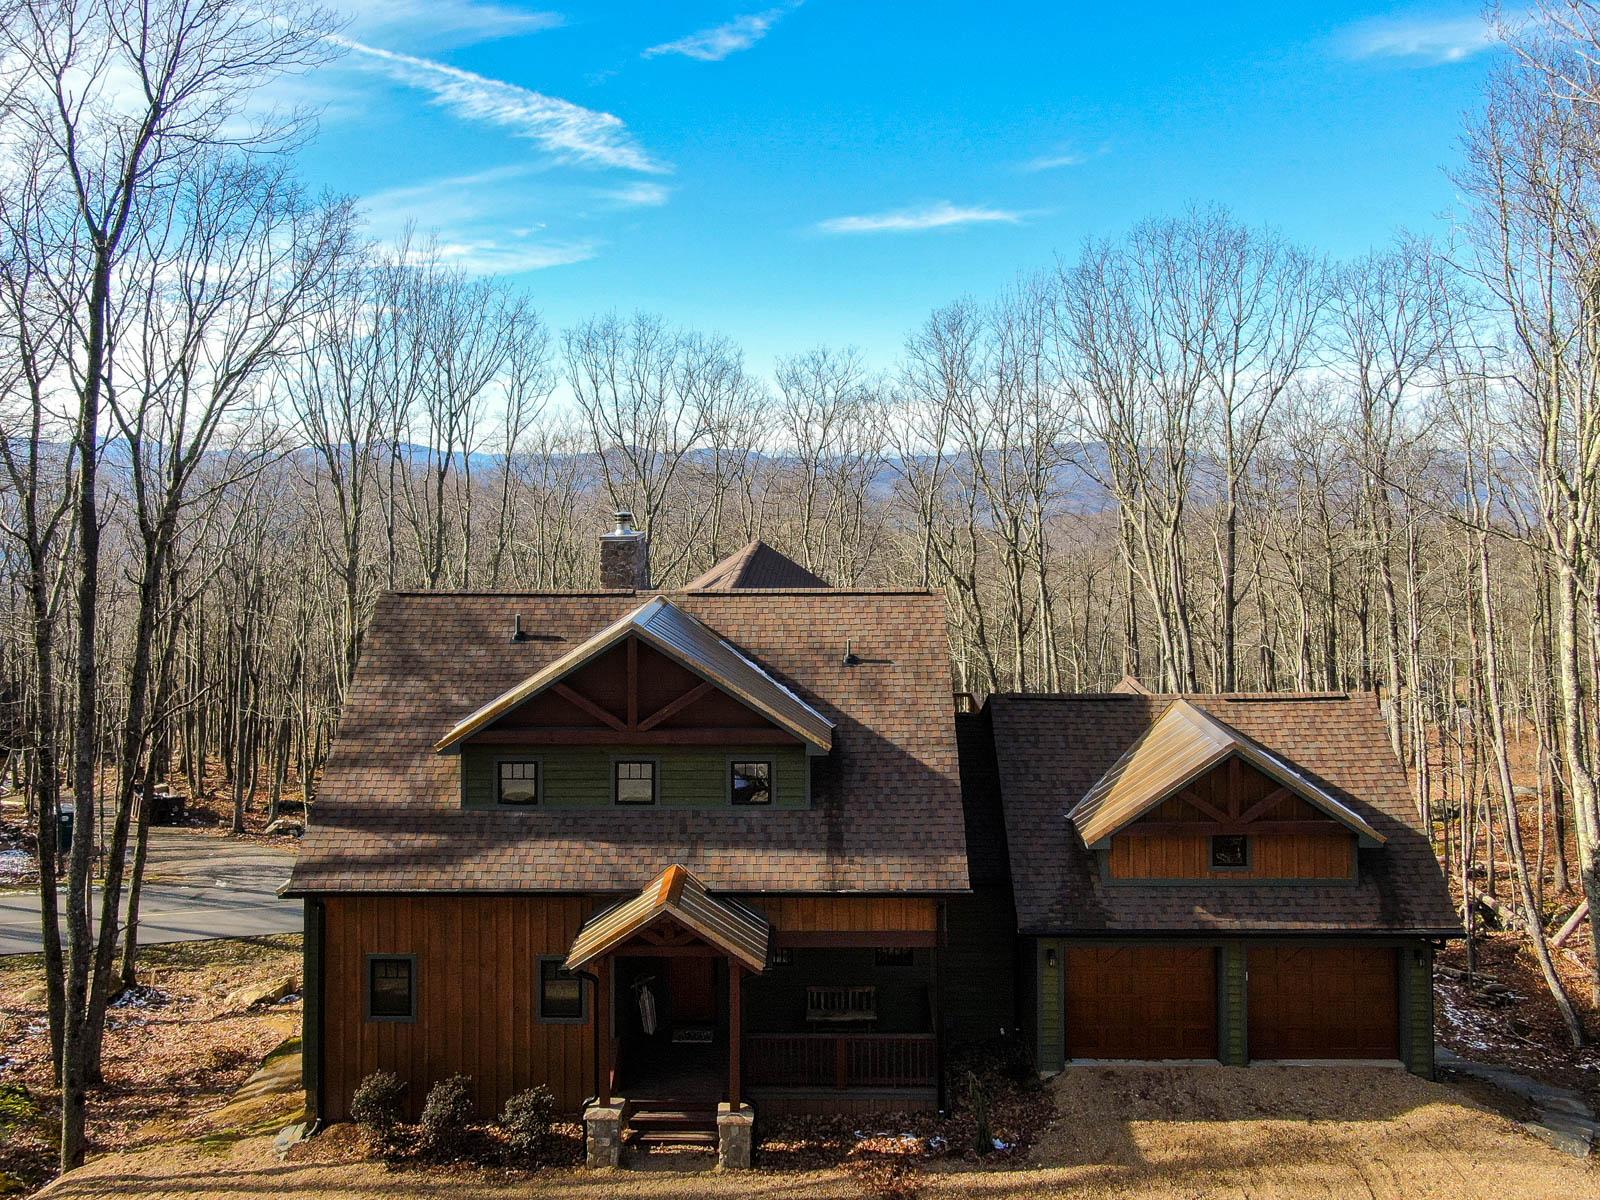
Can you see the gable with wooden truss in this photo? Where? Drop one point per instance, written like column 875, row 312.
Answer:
column 656, row 676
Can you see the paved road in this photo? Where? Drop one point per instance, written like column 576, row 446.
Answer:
column 196, row 887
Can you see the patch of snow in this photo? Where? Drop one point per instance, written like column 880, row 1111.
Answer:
column 999, row 1145
column 15, row 866
column 291, row 998
column 142, row 997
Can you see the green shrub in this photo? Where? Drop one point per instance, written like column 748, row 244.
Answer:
column 376, row 1104
column 446, row 1117
column 526, row 1122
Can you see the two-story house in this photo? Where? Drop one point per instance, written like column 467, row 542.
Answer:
column 683, row 855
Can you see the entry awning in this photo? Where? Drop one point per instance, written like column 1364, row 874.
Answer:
column 678, row 895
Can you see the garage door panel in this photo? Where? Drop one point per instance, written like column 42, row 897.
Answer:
column 1323, row 1002
column 1141, row 1002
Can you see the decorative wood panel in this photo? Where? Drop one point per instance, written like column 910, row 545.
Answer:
column 791, row 915
column 477, row 1003
column 1141, row 1002
column 1289, row 838
column 1323, row 1002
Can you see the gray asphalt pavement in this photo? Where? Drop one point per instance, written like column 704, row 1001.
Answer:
column 197, row 886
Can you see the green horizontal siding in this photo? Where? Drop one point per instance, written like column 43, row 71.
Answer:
column 1051, row 1054
column 580, row 776
column 1416, row 1009
column 1233, row 1023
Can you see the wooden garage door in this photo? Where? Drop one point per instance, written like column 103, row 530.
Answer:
column 1310, row 1002
column 1142, row 1002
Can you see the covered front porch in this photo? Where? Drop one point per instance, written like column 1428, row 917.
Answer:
column 701, row 1013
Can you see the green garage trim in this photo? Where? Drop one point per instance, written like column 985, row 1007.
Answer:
column 1232, row 1017
column 1416, row 1009
column 1050, row 961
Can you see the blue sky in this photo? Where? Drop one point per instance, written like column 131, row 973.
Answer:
column 829, row 171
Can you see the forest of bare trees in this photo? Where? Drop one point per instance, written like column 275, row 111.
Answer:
column 1192, row 452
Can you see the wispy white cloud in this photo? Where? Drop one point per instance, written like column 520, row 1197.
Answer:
column 569, row 131
column 716, row 43
column 1431, row 41
column 638, row 195
column 942, row 215
column 490, row 256
column 442, row 23
column 1055, row 162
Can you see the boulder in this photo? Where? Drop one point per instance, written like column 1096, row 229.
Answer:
column 259, row 995
column 287, row 827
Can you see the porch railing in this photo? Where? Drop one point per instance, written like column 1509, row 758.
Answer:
column 840, row 1060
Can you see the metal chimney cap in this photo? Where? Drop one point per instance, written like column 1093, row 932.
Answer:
column 624, row 527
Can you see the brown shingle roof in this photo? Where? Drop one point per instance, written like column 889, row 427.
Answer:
column 1052, row 749
column 755, row 565
column 886, row 814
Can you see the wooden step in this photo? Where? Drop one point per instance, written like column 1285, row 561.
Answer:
column 676, row 1137
column 673, row 1116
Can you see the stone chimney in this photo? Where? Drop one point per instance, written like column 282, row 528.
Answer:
column 625, row 556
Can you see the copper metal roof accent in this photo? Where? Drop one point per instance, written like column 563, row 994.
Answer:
column 678, row 894
column 681, row 637
column 1183, row 744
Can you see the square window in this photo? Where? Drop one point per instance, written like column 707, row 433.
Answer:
column 391, row 987
column 519, row 783
column 894, row 956
column 781, row 958
column 1230, row 852
column 750, row 782
column 635, row 781
column 560, row 992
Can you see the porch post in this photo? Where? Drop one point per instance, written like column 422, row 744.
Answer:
column 602, row 1030
column 735, row 1030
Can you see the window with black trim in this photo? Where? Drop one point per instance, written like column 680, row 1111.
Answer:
column 519, row 782
column 894, row 956
column 634, row 781
column 391, row 987
column 781, row 957
column 560, row 992
column 750, row 781
column 1230, row 852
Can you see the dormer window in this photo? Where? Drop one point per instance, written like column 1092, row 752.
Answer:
column 750, row 782
column 519, row 782
column 634, row 781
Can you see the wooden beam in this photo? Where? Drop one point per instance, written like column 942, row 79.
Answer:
column 1149, row 828
column 735, row 1030
column 1235, row 786
column 1260, row 806
column 633, row 683
column 586, row 735
column 1205, row 806
column 854, row 939
column 579, row 700
column 676, row 706
column 602, row 1029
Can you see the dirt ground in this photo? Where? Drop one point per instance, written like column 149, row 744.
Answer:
column 1265, row 1133
column 173, row 1050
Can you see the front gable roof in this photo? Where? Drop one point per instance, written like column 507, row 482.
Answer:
column 688, row 641
column 677, row 895
column 1184, row 743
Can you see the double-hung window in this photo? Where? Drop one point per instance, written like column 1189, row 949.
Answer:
column 518, row 782
column 633, row 781
column 750, row 782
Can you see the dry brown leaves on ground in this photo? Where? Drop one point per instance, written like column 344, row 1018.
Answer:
column 173, row 1048
column 1519, row 1028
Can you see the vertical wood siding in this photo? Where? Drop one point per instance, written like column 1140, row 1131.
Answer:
column 477, row 1002
column 848, row 914
column 1330, row 855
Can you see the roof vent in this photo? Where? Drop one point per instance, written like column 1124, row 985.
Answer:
column 517, row 635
